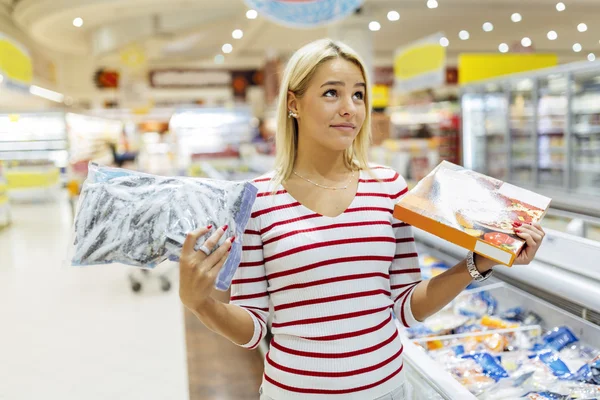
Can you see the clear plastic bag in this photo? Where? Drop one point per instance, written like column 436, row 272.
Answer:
column 142, row 220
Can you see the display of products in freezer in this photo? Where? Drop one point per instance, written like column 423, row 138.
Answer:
column 432, row 266
column 142, row 220
column 500, row 353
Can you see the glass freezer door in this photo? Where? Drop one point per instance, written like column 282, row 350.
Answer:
column 473, row 125
column 551, row 130
column 585, row 128
column 496, row 131
column 522, row 132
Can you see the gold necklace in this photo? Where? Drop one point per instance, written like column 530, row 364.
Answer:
column 326, row 187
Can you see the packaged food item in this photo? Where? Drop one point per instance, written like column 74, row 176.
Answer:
column 476, row 305
column 532, row 318
column 491, row 365
column 470, row 374
column 497, row 323
column 578, row 357
column 141, row 220
column 472, row 210
column 444, row 322
column 553, row 361
column 589, row 372
column 545, row 396
column 557, row 339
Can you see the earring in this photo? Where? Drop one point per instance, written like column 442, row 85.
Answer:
column 292, row 114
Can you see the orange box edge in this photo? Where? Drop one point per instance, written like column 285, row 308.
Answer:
column 446, row 232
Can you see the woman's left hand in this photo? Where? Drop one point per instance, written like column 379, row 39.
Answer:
column 533, row 235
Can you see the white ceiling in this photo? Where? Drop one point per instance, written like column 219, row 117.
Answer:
column 195, row 30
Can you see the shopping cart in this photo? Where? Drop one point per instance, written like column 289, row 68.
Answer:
column 139, row 277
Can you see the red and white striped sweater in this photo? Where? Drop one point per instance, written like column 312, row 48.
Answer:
column 334, row 284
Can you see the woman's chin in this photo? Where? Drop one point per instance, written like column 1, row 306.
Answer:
column 341, row 144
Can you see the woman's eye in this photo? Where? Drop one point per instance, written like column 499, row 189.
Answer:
column 330, row 93
column 359, row 95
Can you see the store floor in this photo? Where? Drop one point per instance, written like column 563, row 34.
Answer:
column 70, row 333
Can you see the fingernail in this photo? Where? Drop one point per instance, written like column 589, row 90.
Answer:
column 209, row 227
column 232, row 239
column 225, row 227
column 517, row 223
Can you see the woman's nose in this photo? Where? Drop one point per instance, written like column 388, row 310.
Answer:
column 347, row 107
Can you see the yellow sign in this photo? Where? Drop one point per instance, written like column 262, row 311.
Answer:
column 32, row 179
column 419, row 60
column 15, row 61
column 381, row 96
column 476, row 67
column 420, row 65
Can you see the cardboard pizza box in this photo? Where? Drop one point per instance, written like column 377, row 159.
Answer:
column 472, row 210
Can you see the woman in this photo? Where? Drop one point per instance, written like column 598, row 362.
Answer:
column 322, row 247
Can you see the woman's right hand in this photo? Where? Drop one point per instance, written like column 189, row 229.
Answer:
column 197, row 271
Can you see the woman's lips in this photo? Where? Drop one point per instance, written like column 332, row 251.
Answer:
column 344, row 127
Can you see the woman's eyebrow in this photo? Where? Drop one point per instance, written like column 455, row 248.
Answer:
column 340, row 83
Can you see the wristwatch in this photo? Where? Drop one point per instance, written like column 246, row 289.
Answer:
column 474, row 272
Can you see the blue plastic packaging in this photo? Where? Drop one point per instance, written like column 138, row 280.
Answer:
column 545, row 396
column 491, row 365
column 513, row 314
column 557, row 339
column 556, row 365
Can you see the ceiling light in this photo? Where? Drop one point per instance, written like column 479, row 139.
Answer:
column 582, row 27
column 552, row 35
column 46, row 94
column 526, row 42
column 591, row 57
column 444, row 42
column 577, row 47
column 78, row 22
column 393, row 16
column 237, row 34
column 227, row 48
column 374, row 26
column 219, row 59
column 1, row 78
column 488, row 27
column 516, row 17
column 432, row 4
column 463, row 35
column 561, row 6
column 503, row 48
column 251, row 14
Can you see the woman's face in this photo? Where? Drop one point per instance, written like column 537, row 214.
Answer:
column 332, row 110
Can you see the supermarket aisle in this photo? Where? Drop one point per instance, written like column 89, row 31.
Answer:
column 81, row 333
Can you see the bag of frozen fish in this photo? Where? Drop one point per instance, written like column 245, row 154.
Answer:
column 139, row 219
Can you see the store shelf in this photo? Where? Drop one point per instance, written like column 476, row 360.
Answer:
column 588, row 131
column 552, row 166
column 595, row 168
column 551, row 132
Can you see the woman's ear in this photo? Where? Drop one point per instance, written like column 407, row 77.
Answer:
column 292, row 102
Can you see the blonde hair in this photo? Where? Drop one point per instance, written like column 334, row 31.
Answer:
column 298, row 73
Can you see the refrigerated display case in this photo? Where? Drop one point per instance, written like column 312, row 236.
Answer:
column 5, row 217
column 523, row 98
column 561, row 286
column 551, row 130
column 539, row 130
column 585, row 111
